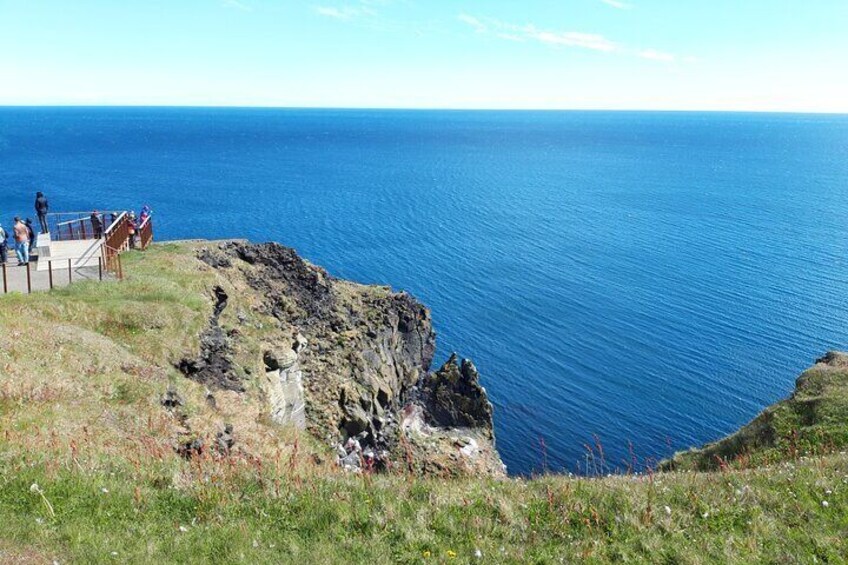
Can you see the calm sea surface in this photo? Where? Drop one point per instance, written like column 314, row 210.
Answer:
column 648, row 281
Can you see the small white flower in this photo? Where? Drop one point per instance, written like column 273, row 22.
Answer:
column 478, row 554
column 705, row 515
column 39, row 520
column 114, row 554
column 104, row 490
column 667, row 510
column 825, row 503
column 34, row 488
column 183, row 529
column 828, row 492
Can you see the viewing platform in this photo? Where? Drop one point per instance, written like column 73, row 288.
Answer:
column 77, row 248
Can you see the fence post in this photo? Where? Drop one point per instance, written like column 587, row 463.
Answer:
column 29, row 278
column 5, row 284
column 70, row 273
column 100, row 267
column 50, row 272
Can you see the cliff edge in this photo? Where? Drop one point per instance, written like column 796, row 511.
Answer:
column 349, row 362
column 812, row 421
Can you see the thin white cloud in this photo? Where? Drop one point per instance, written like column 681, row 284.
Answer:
column 352, row 10
column 336, row 13
column 617, row 4
column 512, row 32
column 235, row 4
column 655, row 55
column 581, row 40
column 473, row 22
column 591, row 41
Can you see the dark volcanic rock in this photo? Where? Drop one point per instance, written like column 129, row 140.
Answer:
column 362, row 354
column 453, row 396
column 172, row 399
column 213, row 367
column 224, row 440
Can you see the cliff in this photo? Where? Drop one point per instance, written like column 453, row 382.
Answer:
column 813, row 421
column 349, row 362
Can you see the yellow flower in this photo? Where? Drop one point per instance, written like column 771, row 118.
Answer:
column 451, row 554
column 426, row 554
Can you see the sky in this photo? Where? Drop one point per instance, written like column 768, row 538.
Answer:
column 750, row 55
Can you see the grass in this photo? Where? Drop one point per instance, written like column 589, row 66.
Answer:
column 82, row 370
column 812, row 421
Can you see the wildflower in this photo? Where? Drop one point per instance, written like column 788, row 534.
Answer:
column 34, row 488
column 478, row 554
column 104, row 490
column 705, row 515
column 183, row 529
column 451, row 554
column 667, row 510
column 114, row 554
column 426, row 554
column 825, row 503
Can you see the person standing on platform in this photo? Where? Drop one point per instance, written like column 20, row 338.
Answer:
column 21, row 242
column 97, row 225
column 41, row 208
column 4, row 245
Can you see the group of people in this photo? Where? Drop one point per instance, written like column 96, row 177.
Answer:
column 24, row 237
column 23, row 234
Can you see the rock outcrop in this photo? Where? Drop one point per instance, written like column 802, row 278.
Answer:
column 350, row 363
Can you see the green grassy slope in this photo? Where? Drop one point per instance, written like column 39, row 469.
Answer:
column 813, row 420
column 89, row 472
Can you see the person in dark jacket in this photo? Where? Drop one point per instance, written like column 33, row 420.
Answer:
column 28, row 224
column 41, row 208
column 4, row 245
column 97, row 225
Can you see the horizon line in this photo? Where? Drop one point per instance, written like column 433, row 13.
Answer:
column 432, row 108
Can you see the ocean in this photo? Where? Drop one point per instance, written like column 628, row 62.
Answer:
column 634, row 282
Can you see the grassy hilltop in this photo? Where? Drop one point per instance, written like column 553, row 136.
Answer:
column 93, row 467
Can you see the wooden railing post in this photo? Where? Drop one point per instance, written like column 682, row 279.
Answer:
column 50, row 272
column 70, row 273
column 5, row 282
column 29, row 278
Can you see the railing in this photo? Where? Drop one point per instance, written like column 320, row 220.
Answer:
column 145, row 233
column 111, row 261
column 28, row 280
column 70, row 226
column 117, row 237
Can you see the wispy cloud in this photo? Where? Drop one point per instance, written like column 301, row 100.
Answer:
column 529, row 32
column 655, row 55
column 350, row 10
column 617, row 4
column 473, row 22
column 337, row 13
column 582, row 40
column 235, row 4
column 591, row 41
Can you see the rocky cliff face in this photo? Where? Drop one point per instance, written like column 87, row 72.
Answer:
column 350, row 363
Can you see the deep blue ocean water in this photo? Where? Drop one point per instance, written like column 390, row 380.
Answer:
column 652, row 279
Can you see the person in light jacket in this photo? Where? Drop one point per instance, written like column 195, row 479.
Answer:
column 21, row 242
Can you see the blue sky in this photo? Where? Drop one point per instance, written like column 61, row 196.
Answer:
column 775, row 55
